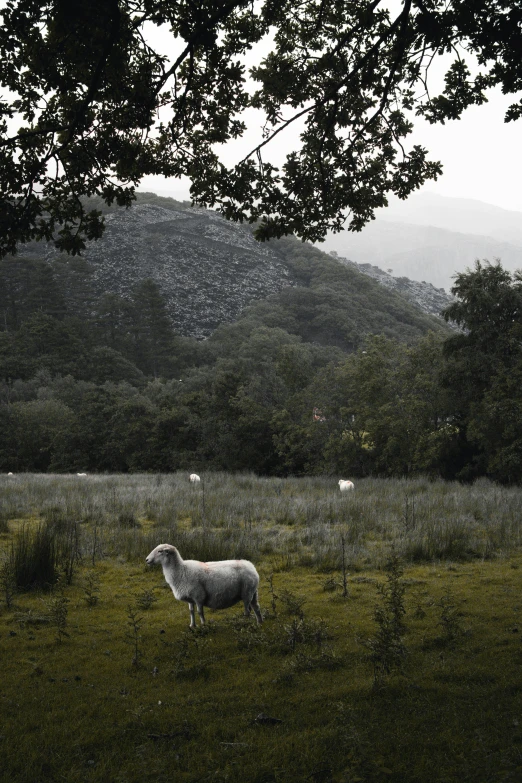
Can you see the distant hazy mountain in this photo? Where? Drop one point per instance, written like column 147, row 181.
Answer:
column 465, row 216
column 430, row 238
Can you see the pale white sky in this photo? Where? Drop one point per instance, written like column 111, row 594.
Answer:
column 481, row 154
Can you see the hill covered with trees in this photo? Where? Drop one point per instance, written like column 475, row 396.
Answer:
column 331, row 373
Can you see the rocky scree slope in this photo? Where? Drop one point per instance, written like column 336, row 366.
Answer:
column 429, row 299
column 208, row 268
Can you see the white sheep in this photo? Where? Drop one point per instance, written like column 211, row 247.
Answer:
column 9, row 474
column 218, row 585
column 81, row 474
column 194, row 478
column 345, row 486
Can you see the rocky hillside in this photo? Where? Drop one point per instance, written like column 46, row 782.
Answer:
column 424, row 295
column 209, row 269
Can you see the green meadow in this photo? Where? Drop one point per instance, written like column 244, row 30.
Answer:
column 391, row 648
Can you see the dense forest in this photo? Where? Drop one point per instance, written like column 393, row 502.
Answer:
column 304, row 382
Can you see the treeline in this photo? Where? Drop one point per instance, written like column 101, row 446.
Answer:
column 108, row 386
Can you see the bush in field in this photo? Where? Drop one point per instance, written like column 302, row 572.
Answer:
column 34, row 558
column 387, row 650
column 91, row 588
column 133, row 636
column 7, row 583
column 449, row 622
column 57, row 611
column 145, row 600
column 4, row 527
column 38, row 557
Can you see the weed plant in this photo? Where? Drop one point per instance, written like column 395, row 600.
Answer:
column 7, row 582
column 91, row 587
column 133, row 636
column 57, row 612
column 387, row 650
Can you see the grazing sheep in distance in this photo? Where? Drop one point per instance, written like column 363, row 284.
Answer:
column 81, row 474
column 194, row 478
column 9, row 474
column 218, row 585
column 345, row 486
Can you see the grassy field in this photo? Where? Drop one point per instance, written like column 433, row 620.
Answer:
column 411, row 673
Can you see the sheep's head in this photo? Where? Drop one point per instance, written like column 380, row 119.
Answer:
column 161, row 554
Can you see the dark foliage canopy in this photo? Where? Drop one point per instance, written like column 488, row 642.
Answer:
column 89, row 105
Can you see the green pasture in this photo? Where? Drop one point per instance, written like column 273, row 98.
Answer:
column 102, row 680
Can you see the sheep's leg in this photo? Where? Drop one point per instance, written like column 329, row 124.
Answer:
column 254, row 604
column 201, row 613
column 192, row 615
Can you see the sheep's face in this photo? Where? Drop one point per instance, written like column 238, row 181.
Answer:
column 160, row 555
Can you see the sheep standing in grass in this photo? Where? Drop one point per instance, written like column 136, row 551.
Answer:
column 194, row 478
column 345, row 486
column 81, row 474
column 218, row 585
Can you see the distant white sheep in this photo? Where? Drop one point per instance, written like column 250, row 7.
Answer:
column 345, row 486
column 218, row 585
column 81, row 474
column 9, row 474
column 194, row 478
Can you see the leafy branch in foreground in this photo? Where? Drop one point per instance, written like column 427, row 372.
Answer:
column 94, row 105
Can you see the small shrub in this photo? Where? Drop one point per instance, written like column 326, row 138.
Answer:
column 68, row 549
column 449, row 620
column 304, row 661
column 7, row 582
column 30, row 617
column 273, row 595
column 128, row 520
column 57, row 611
column 330, row 585
column 56, row 517
column 133, row 636
column 91, row 588
column 190, row 661
column 145, row 600
column 387, row 650
column 247, row 634
column 34, row 558
column 305, row 632
column 293, row 603
column 4, row 519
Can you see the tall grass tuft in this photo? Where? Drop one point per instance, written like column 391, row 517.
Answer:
column 4, row 518
column 33, row 558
